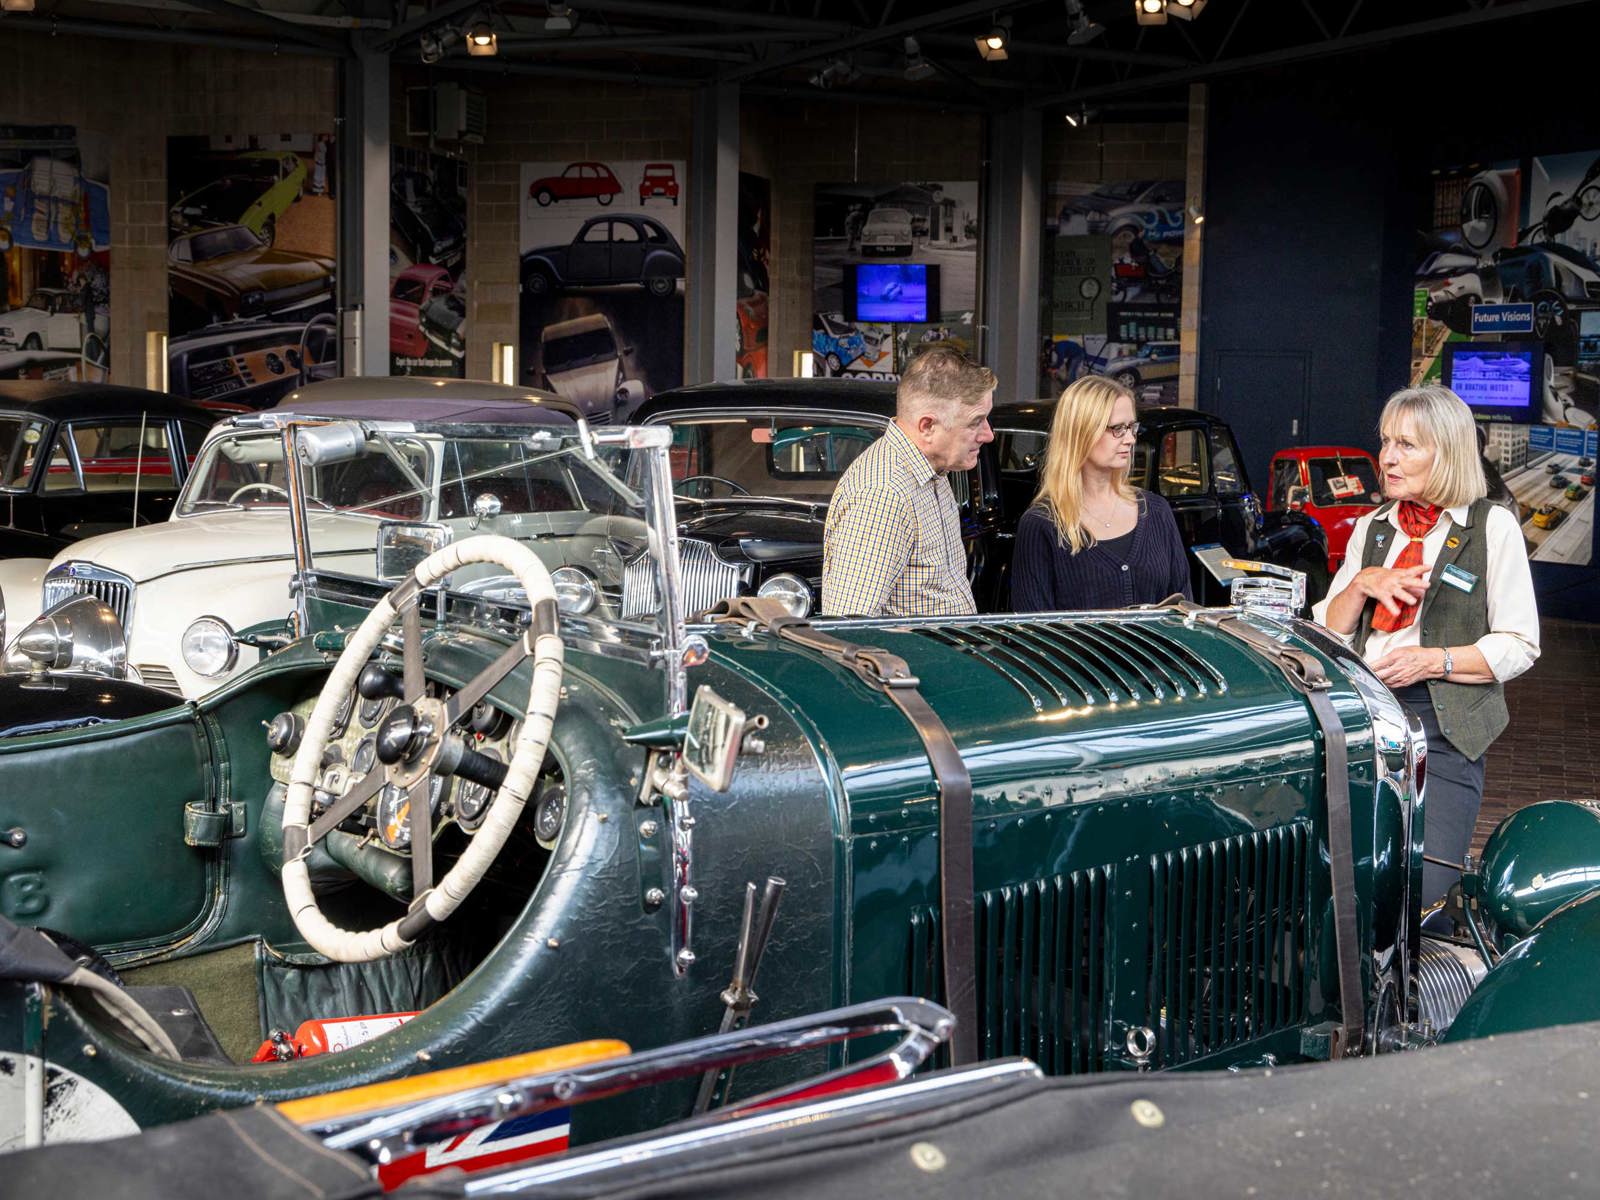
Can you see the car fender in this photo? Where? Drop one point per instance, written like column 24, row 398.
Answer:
column 546, row 261
column 21, row 593
column 1551, row 977
column 243, row 594
column 663, row 262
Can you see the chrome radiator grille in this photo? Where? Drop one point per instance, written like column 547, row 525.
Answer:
column 86, row 579
column 706, row 580
column 1227, row 941
column 1043, row 986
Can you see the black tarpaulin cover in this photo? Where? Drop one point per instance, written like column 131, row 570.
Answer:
column 1505, row 1116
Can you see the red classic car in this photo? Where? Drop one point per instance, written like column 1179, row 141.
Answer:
column 580, row 181
column 659, row 180
column 408, row 292
column 1335, row 485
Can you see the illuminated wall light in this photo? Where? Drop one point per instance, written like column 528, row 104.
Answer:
column 503, row 363
column 155, row 360
column 805, row 365
column 16, row 5
column 481, row 40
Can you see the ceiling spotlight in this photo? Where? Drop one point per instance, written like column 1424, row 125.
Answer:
column 837, row 70
column 1083, row 29
column 1185, row 10
column 16, row 5
column 1082, row 117
column 562, row 18
column 1150, row 12
column 480, row 39
column 917, row 67
column 992, row 45
column 1194, row 209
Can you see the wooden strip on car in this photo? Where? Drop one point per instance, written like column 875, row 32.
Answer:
column 374, row 1097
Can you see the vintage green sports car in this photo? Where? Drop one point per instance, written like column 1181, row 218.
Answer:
column 1109, row 841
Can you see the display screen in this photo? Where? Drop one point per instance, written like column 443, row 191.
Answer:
column 1499, row 380
column 892, row 292
column 1589, row 337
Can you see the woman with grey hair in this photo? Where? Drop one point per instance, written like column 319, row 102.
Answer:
column 1436, row 597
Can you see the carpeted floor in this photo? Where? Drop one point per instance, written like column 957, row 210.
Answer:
column 1552, row 749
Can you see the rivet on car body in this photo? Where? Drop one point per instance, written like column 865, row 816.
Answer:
column 647, row 829
column 689, row 895
column 1147, row 1114
column 553, row 943
column 925, row 1156
column 655, row 898
column 686, row 957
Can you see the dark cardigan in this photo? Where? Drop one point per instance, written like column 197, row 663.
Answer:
column 1046, row 576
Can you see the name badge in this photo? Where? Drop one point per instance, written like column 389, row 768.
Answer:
column 1461, row 580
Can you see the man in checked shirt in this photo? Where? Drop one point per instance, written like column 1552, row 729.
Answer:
column 892, row 544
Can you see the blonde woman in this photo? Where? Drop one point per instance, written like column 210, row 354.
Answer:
column 1436, row 596
column 1092, row 540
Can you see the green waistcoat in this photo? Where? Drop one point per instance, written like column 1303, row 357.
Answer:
column 1471, row 715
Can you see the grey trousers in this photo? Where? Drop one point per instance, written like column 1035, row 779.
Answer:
column 1454, row 793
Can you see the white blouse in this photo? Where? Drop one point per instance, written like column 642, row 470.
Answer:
column 1512, row 643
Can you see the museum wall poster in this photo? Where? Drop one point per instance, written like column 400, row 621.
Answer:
column 602, row 268
column 427, row 264
column 251, row 228
column 755, row 259
column 1113, row 281
column 894, row 267
column 1508, row 281
column 55, row 249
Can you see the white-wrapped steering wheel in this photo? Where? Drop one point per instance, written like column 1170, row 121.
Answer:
column 417, row 741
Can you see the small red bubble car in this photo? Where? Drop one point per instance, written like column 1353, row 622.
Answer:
column 1335, row 485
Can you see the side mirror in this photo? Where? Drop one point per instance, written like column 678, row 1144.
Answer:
column 403, row 544
column 1299, row 497
column 715, row 735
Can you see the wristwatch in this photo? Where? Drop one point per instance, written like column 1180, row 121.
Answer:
column 1449, row 662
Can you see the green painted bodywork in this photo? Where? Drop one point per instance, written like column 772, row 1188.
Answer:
column 1551, row 977
column 1540, row 858
column 1150, row 849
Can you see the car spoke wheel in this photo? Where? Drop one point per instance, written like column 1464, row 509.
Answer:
column 423, row 743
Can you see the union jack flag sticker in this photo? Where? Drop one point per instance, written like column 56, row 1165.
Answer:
column 498, row 1145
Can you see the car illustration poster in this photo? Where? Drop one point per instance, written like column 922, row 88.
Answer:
column 1550, row 474
column 1125, row 323
column 251, row 224
column 601, row 277
column 427, row 264
column 55, row 249
column 755, row 254
column 1523, row 234
column 903, row 243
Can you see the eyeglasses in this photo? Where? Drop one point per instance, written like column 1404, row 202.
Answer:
column 1123, row 429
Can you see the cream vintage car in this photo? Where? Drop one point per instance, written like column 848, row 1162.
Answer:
column 197, row 594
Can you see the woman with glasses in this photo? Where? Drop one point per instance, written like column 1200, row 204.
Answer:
column 1091, row 539
column 1436, row 596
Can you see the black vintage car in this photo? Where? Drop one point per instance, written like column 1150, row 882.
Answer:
column 754, row 465
column 435, row 225
column 607, row 250
column 1190, row 458
column 78, row 459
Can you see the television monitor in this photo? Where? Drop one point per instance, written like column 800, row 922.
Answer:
column 891, row 292
column 1589, row 338
column 1500, row 381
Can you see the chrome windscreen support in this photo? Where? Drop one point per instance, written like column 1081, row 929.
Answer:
column 666, row 783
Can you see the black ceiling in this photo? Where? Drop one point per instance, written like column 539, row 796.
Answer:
column 844, row 49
